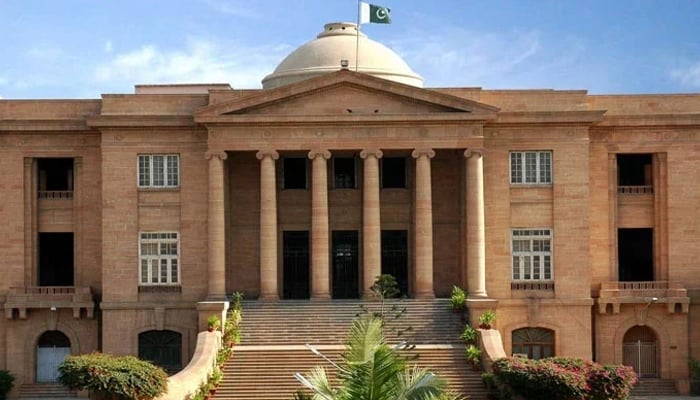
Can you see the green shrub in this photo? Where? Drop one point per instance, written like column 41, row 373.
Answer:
column 486, row 318
column 563, row 379
column 458, row 298
column 473, row 354
column 121, row 377
column 6, row 383
column 468, row 334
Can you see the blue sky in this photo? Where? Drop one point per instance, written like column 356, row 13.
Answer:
column 83, row 48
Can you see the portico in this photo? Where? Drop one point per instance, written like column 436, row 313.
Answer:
column 374, row 143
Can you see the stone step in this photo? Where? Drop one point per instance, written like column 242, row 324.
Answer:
column 45, row 390
column 655, row 387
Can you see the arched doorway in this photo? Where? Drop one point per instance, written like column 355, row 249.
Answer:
column 52, row 348
column 162, row 348
column 536, row 343
column 640, row 350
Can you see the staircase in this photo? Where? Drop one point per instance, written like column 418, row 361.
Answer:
column 272, row 348
column 45, row 390
column 655, row 387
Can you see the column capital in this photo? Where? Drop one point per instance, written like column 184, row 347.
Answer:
column 317, row 152
column 221, row 155
column 428, row 152
column 377, row 153
column 474, row 151
column 267, row 153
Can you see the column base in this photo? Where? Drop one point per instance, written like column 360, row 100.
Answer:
column 320, row 296
column 478, row 295
column 268, row 297
column 424, row 295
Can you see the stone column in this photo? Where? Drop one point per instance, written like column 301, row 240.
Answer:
column 268, row 225
column 320, row 252
column 423, row 225
column 216, row 227
column 476, row 237
column 371, row 220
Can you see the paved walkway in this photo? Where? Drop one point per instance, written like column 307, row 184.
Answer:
column 663, row 398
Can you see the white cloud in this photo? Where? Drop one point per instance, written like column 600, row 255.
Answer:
column 234, row 7
column 201, row 61
column 688, row 76
column 45, row 52
column 108, row 47
column 456, row 56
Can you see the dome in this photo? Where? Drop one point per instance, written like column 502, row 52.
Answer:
column 337, row 42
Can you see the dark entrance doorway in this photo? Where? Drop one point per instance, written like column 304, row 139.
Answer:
column 345, row 265
column 640, row 351
column 635, row 254
column 395, row 257
column 295, row 254
column 56, row 259
column 162, row 348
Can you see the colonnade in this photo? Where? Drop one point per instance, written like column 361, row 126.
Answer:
column 371, row 223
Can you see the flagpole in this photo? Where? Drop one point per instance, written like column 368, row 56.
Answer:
column 357, row 37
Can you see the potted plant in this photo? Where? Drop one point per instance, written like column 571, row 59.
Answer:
column 6, row 383
column 458, row 299
column 468, row 334
column 473, row 354
column 486, row 318
column 213, row 323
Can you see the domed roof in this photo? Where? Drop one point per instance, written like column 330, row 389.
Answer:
column 337, row 42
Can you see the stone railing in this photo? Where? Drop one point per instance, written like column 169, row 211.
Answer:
column 55, row 194
column 185, row 383
column 643, row 292
column 19, row 299
column 637, row 189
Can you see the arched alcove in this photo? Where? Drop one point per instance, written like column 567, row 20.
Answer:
column 640, row 350
column 536, row 343
column 51, row 349
column 162, row 348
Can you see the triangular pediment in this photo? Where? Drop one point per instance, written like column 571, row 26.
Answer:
column 346, row 93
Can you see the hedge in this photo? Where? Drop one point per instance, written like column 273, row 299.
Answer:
column 6, row 383
column 563, row 379
column 126, row 378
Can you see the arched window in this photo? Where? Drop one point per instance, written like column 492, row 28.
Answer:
column 162, row 348
column 537, row 343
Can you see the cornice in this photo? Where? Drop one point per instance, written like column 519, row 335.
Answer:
column 372, row 119
column 651, row 120
column 140, row 121
column 587, row 117
column 73, row 124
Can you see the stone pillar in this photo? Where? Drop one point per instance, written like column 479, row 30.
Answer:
column 268, row 225
column 423, row 285
column 216, row 227
column 476, row 237
column 371, row 220
column 320, row 252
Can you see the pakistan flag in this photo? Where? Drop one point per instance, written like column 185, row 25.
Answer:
column 371, row 13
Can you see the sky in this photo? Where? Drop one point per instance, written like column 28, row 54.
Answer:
column 84, row 48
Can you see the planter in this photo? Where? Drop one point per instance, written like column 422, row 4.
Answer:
column 485, row 326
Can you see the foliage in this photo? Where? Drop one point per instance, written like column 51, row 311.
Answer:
column 486, row 318
column 385, row 287
column 468, row 334
column 6, row 383
column 216, row 376
column 473, row 354
column 237, row 301
column 562, row 378
column 458, row 298
column 122, row 377
column 373, row 370
column 301, row 395
column 213, row 322
column 694, row 367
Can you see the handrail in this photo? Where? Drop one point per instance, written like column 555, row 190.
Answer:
column 55, row 194
column 635, row 189
column 185, row 383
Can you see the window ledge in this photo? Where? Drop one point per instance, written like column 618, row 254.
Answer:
column 160, row 289
column 532, row 285
column 158, row 189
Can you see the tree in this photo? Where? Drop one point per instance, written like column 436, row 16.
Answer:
column 373, row 370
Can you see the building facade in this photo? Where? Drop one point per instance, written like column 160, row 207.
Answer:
column 573, row 216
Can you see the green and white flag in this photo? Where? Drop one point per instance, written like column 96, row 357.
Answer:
column 370, row 13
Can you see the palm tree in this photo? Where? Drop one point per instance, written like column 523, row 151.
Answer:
column 373, row 370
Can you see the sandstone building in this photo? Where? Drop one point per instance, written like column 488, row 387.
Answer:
column 574, row 216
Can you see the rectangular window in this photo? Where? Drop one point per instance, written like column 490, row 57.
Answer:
column 531, row 167
column 532, row 254
column 158, row 254
column 294, row 173
column 159, row 170
column 393, row 172
column 344, row 172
